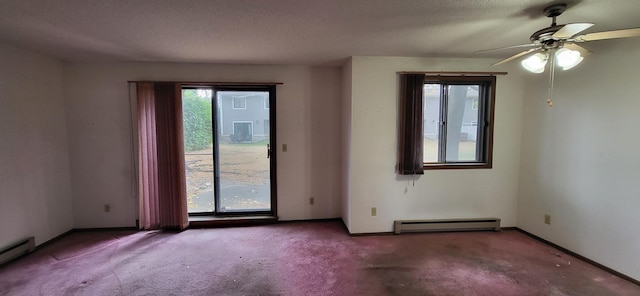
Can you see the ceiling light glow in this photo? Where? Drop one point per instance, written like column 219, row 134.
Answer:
column 535, row 63
column 568, row 58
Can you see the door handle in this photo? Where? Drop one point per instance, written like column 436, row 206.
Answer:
column 268, row 151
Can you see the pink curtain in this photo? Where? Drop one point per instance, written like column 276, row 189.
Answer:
column 162, row 183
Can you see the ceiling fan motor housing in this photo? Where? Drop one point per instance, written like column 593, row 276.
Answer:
column 555, row 10
column 545, row 36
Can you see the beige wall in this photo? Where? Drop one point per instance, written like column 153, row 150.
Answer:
column 580, row 158
column 373, row 152
column 308, row 119
column 35, row 193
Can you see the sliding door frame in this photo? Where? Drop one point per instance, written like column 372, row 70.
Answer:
column 270, row 151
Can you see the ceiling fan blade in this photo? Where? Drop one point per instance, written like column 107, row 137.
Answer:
column 635, row 32
column 583, row 51
column 508, row 47
column 513, row 57
column 571, row 29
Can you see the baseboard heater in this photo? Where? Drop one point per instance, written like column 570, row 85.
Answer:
column 13, row 251
column 400, row 226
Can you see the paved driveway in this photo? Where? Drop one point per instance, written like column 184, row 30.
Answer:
column 234, row 196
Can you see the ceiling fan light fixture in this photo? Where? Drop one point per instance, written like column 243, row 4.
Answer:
column 535, row 63
column 567, row 58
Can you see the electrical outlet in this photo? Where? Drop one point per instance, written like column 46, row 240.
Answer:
column 547, row 219
column 374, row 212
column 312, row 201
column 107, row 208
column 284, row 147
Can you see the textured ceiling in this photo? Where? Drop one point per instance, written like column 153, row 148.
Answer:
column 290, row 32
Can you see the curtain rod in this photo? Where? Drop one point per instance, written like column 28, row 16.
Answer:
column 445, row 73
column 209, row 83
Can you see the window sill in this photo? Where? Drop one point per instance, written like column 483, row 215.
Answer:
column 456, row 166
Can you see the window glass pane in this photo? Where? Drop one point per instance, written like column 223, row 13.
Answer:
column 198, row 149
column 462, row 118
column 431, row 125
column 245, row 172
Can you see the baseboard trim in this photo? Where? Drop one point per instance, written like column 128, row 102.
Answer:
column 379, row 233
column 311, row 220
column 583, row 258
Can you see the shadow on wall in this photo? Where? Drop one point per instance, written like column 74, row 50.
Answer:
column 323, row 136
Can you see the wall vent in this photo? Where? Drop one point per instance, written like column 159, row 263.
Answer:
column 13, row 251
column 400, row 226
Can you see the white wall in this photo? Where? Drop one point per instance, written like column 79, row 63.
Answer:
column 580, row 160
column 35, row 194
column 308, row 120
column 373, row 152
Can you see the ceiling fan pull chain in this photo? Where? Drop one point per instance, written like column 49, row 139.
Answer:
column 552, row 72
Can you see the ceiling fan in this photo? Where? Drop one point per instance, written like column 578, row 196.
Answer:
column 558, row 45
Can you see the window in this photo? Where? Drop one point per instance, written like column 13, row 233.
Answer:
column 447, row 122
column 239, row 103
column 266, row 103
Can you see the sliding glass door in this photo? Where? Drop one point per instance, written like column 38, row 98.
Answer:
column 197, row 118
column 230, row 167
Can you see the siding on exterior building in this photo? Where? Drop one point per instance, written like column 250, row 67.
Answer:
column 234, row 120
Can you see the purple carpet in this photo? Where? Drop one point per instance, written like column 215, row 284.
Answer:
column 309, row 258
